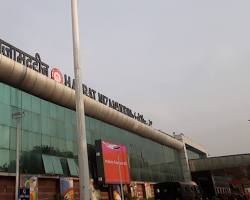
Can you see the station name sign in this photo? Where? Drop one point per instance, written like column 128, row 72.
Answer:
column 36, row 64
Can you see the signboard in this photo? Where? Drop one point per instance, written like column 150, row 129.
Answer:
column 36, row 64
column 57, row 75
column 23, row 194
column 66, row 188
column 112, row 161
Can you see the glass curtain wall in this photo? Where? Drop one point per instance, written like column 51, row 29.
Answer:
column 49, row 132
column 193, row 153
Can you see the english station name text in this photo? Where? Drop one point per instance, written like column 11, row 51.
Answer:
column 36, row 64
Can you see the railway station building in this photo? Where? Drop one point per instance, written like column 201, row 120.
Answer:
column 48, row 138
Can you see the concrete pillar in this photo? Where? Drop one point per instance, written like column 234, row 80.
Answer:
column 184, row 163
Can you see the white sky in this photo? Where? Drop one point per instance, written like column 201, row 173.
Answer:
column 183, row 64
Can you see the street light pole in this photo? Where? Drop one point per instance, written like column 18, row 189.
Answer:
column 118, row 148
column 17, row 116
column 80, row 114
column 120, row 175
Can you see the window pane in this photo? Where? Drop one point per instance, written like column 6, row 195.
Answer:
column 36, row 123
column 65, row 167
column 45, row 108
column 52, row 111
column 57, row 165
column 60, row 128
column 4, row 137
column 45, row 125
column 26, row 101
column 70, row 146
column 30, row 140
column 52, row 126
column 35, row 104
column 45, row 141
column 60, row 113
column 73, row 168
column 15, row 97
column 32, row 163
column 27, row 121
column 5, row 116
column 13, row 138
column 47, row 163
column 12, row 165
column 4, row 160
column 4, row 93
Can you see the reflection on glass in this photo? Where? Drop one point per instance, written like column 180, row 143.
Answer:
column 49, row 129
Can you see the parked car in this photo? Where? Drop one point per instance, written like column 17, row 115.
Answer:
column 177, row 191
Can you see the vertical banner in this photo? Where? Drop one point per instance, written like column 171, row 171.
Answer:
column 31, row 183
column 66, row 188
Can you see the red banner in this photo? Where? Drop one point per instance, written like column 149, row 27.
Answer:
column 115, row 162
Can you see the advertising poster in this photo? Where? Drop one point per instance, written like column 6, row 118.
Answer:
column 149, row 189
column 31, row 183
column 66, row 188
column 115, row 163
column 116, row 193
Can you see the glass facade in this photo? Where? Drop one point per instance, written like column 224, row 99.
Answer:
column 49, row 136
column 194, row 153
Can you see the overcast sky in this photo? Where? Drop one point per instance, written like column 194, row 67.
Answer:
column 183, row 64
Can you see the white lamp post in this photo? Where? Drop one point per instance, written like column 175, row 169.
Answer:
column 120, row 175
column 17, row 116
column 80, row 114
